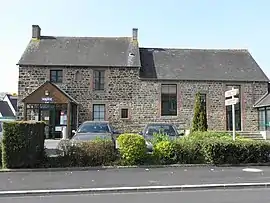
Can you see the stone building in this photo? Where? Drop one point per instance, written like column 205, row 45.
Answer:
column 68, row 80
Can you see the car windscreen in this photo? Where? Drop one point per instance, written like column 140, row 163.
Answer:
column 94, row 128
column 167, row 129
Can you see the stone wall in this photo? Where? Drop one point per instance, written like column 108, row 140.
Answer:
column 124, row 89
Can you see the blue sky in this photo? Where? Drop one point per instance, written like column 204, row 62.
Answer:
column 170, row 23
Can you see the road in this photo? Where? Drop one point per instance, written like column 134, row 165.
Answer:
column 129, row 177
column 221, row 196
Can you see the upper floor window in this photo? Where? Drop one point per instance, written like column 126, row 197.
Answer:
column 99, row 79
column 56, row 76
column 169, row 100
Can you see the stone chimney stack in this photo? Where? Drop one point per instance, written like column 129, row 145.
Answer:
column 135, row 34
column 36, row 32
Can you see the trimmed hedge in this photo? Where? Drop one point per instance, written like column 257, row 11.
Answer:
column 132, row 148
column 22, row 144
column 90, row 153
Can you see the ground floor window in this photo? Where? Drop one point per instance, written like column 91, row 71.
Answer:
column 99, row 112
column 264, row 118
column 237, row 108
column 169, row 100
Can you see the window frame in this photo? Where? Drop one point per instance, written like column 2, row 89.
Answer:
column 56, row 75
column 99, row 85
column 104, row 112
column 170, row 99
column 121, row 113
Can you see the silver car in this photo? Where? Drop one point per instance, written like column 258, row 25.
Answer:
column 91, row 130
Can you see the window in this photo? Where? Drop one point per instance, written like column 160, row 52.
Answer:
column 262, row 119
column 56, row 76
column 99, row 112
column 99, row 77
column 124, row 113
column 169, row 100
column 237, row 110
column 203, row 102
column 77, row 76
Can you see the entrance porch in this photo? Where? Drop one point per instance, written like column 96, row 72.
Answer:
column 55, row 107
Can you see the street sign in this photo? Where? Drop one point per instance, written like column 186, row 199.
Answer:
column 231, row 93
column 232, row 101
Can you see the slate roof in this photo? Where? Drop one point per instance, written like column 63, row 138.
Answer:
column 199, row 64
column 5, row 109
column 13, row 101
column 81, row 51
column 57, row 87
column 263, row 101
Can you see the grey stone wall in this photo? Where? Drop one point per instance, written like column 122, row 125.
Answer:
column 124, row 89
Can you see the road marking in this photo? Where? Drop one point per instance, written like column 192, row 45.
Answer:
column 254, row 170
column 137, row 189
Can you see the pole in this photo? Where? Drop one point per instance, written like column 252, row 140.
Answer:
column 233, row 118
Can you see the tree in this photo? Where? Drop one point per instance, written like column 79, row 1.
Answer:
column 199, row 122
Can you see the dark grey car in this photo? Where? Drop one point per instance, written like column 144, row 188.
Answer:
column 91, row 130
column 151, row 128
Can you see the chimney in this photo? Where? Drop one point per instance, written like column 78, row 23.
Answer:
column 36, row 32
column 135, row 34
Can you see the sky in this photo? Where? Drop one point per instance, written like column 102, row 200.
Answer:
column 172, row 23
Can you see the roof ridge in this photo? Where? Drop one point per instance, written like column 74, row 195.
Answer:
column 82, row 37
column 196, row 49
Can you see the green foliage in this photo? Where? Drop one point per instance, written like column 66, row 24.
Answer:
column 92, row 153
column 159, row 137
column 132, row 148
column 22, row 144
column 188, row 151
column 199, row 122
column 165, row 152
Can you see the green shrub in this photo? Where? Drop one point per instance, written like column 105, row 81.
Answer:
column 93, row 153
column 159, row 137
column 22, row 144
column 165, row 152
column 132, row 148
column 188, row 151
column 236, row 152
column 199, row 122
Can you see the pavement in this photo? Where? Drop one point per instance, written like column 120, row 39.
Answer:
column 131, row 177
column 217, row 196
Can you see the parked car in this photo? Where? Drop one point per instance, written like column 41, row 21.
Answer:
column 91, row 130
column 152, row 128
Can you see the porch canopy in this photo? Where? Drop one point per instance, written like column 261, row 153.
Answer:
column 51, row 104
column 263, row 106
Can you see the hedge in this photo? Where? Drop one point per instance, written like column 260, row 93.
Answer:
column 22, row 144
column 90, row 153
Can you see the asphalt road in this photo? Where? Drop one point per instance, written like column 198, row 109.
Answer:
column 129, row 177
column 221, row 196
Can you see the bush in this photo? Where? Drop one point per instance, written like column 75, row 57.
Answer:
column 159, row 137
column 188, row 151
column 132, row 148
column 236, row 152
column 92, row 153
column 165, row 152
column 22, row 144
column 199, row 122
